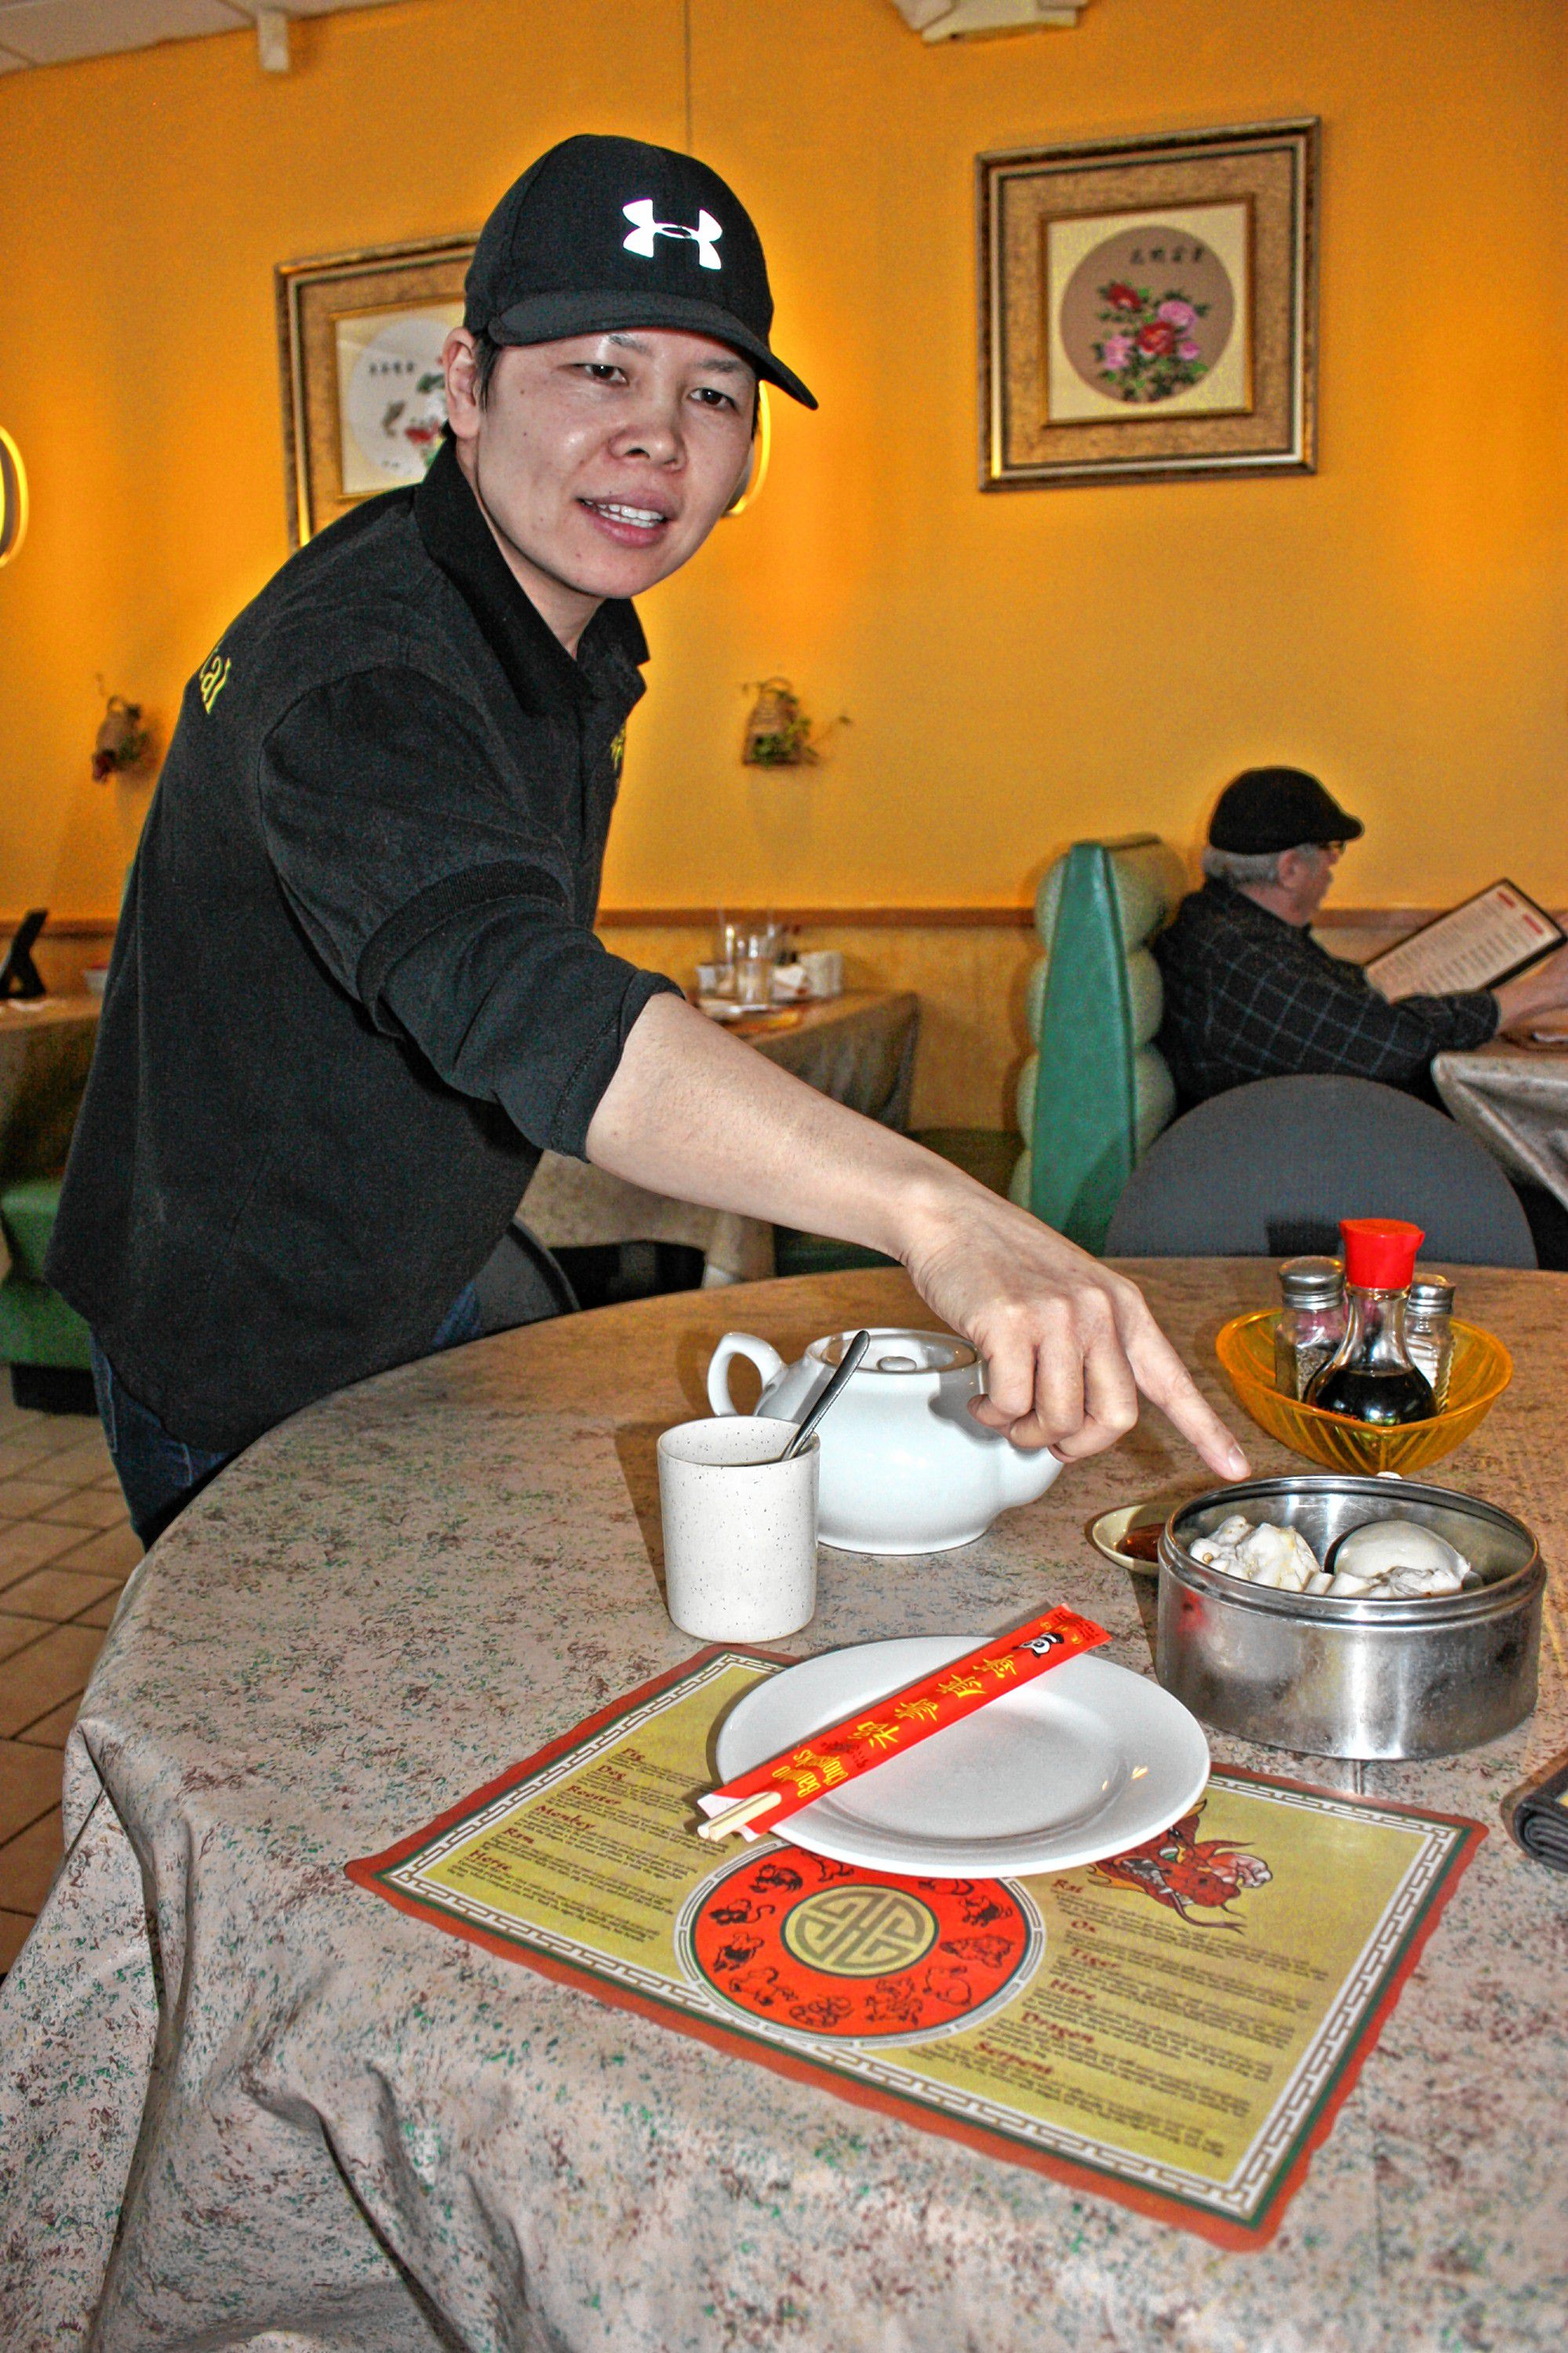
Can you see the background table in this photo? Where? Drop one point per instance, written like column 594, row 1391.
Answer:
column 858, row 1048
column 335, row 2127
column 45, row 1050
column 1515, row 1098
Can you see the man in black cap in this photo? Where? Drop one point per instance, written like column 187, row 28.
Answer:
column 1250, row 995
column 357, row 990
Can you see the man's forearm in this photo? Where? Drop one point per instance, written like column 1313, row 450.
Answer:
column 1066, row 1342
column 1542, row 990
column 697, row 1114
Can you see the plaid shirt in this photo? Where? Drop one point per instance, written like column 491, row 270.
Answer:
column 1249, row 996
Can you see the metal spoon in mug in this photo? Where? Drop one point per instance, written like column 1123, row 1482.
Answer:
column 852, row 1356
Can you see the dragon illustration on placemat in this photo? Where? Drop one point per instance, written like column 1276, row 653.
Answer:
column 1178, row 1868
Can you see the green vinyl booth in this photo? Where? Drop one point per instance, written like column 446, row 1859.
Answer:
column 44, row 1341
column 1097, row 1090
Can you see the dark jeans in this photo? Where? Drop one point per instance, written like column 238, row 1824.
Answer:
column 160, row 1472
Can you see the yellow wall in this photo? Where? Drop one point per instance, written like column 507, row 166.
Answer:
column 1019, row 667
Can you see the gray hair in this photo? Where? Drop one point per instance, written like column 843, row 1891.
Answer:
column 1245, row 869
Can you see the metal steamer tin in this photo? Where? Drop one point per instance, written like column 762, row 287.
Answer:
column 1335, row 1677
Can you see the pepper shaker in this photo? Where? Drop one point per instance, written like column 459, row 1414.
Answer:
column 1429, row 1329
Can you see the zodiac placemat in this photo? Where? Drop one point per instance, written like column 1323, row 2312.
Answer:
column 1174, row 2028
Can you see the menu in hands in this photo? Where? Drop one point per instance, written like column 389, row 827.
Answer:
column 1174, row 2028
column 1484, row 940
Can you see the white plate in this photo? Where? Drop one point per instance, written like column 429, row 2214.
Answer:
column 1084, row 1762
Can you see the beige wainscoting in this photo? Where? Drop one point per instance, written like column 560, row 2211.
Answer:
column 966, row 964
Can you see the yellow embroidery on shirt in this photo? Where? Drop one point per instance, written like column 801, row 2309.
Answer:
column 617, row 751
column 211, row 679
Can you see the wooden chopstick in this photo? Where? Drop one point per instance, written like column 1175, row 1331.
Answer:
column 748, row 1809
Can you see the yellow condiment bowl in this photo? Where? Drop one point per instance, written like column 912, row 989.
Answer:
column 1482, row 1370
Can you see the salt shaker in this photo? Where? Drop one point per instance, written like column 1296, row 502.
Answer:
column 1311, row 1322
column 1429, row 1330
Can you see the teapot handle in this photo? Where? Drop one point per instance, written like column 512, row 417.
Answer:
column 767, row 1359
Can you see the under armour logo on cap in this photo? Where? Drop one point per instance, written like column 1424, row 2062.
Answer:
column 645, row 228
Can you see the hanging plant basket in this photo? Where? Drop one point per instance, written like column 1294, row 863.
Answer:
column 779, row 734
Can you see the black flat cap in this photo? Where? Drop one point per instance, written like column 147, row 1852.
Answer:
column 1268, row 810
column 605, row 234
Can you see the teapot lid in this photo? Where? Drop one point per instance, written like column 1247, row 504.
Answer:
column 893, row 1350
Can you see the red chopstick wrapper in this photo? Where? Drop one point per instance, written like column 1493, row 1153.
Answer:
column 892, row 1725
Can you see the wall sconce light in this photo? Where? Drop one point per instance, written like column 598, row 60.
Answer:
column 761, row 451
column 272, row 40
column 13, row 499
column 968, row 20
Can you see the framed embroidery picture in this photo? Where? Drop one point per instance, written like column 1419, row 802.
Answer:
column 359, row 339
column 1148, row 308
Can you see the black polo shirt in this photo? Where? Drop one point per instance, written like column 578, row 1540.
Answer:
column 356, row 989
column 1249, row 996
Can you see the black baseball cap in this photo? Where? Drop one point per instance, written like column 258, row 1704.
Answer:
column 603, row 234
column 1268, row 809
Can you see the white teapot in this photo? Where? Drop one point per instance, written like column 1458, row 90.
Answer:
column 904, row 1465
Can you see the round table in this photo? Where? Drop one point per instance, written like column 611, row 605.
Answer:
column 1514, row 1097
column 858, row 1048
column 331, row 2126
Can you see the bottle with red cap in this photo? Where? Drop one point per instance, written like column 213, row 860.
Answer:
column 1371, row 1377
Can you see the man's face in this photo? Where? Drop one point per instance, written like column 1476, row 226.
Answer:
column 1305, row 875
column 604, row 460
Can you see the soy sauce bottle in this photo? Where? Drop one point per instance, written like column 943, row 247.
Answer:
column 1370, row 1377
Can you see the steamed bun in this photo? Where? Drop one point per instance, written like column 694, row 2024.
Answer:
column 1265, row 1555
column 1397, row 1559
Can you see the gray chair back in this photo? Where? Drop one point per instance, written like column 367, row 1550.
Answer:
column 521, row 1283
column 1268, row 1170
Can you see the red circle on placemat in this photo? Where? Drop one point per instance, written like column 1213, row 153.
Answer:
column 822, row 1948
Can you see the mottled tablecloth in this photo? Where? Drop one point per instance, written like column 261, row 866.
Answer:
column 858, row 1049
column 1515, row 1098
column 245, row 2103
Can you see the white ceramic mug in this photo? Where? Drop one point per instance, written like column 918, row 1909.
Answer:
column 741, row 1528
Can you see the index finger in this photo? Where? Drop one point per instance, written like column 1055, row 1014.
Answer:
column 1166, row 1382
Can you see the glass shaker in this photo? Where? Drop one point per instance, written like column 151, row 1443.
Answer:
column 726, row 945
column 1429, row 1329
column 1311, row 1321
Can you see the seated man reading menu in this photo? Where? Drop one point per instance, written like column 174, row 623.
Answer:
column 357, row 990
column 1249, row 994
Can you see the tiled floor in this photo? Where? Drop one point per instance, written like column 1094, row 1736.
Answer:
column 66, row 1549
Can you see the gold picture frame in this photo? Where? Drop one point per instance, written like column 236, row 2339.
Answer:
column 355, row 333
column 1148, row 306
